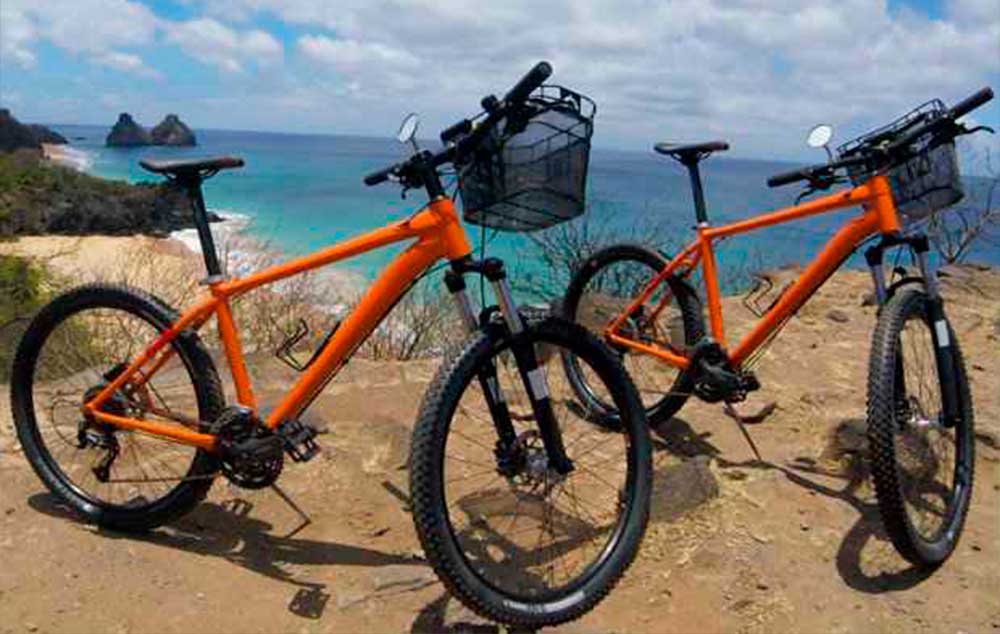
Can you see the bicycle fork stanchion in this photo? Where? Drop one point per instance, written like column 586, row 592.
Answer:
column 488, row 381
column 940, row 335
column 532, row 375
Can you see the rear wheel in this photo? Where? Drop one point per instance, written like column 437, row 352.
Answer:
column 510, row 537
column 922, row 468
column 601, row 290
column 119, row 479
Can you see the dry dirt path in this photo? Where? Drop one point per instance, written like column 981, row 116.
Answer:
column 792, row 543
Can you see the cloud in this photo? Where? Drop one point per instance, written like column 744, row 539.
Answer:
column 755, row 72
column 91, row 28
column 758, row 72
column 126, row 62
column 228, row 49
column 99, row 29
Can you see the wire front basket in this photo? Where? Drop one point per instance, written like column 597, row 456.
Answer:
column 929, row 180
column 532, row 173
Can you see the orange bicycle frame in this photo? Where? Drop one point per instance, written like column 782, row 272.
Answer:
column 879, row 216
column 437, row 233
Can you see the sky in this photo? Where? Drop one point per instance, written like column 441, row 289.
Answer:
column 757, row 73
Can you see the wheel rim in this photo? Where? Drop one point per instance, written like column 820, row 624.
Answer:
column 80, row 355
column 535, row 537
column 928, row 454
column 607, row 294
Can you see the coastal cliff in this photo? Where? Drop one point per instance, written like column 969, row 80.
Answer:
column 40, row 197
column 15, row 135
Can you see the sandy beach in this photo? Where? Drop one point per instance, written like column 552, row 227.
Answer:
column 67, row 156
column 162, row 265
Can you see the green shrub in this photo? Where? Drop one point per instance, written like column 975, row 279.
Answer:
column 22, row 291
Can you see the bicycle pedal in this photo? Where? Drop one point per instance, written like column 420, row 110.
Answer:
column 299, row 440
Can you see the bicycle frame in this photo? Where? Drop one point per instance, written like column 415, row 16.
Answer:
column 438, row 234
column 880, row 216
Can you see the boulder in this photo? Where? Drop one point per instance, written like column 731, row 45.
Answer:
column 127, row 133
column 173, row 131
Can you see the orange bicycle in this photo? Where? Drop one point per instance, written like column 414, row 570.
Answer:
column 525, row 510
column 920, row 414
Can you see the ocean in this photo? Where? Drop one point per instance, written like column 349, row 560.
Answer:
column 299, row 193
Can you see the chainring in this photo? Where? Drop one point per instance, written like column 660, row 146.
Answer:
column 252, row 455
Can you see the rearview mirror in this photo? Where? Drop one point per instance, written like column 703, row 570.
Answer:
column 820, row 135
column 408, row 128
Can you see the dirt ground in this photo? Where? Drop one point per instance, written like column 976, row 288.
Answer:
column 792, row 543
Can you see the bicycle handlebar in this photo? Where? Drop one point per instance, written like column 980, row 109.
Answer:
column 380, row 176
column 462, row 127
column 808, row 173
column 474, row 134
column 960, row 109
column 970, row 103
column 531, row 80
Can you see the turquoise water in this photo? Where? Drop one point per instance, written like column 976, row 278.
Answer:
column 303, row 192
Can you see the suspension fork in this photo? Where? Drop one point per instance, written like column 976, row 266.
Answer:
column 532, row 375
column 940, row 334
column 487, row 376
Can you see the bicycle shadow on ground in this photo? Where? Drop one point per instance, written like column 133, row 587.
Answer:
column 229, row 532
column 676, row 436
column 850, row 564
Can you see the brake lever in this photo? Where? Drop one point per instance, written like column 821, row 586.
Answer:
column 978, row 128
column 818, row 183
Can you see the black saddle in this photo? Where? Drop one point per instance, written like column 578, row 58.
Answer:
column 690, row 152
column 182, row 169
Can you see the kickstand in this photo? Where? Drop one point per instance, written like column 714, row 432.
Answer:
column 732, row 413
column 306, row 520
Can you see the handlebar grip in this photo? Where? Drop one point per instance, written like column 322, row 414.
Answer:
column 787, row 177
column 533, row 79
column 971, row 102
column 462, row 127
column 380, row 176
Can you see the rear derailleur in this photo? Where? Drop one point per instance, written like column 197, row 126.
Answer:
column 91, row 433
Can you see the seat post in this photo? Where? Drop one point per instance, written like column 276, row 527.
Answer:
column 193, row 187
column 691, row 162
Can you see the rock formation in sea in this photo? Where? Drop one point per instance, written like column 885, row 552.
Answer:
column 127, row 133
column 173, row 131
column 15, row 135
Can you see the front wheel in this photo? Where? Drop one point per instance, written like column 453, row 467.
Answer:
column 921, row 466
column 512, row 538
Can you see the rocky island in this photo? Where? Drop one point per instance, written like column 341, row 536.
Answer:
column 127, row 133
column 171, row 131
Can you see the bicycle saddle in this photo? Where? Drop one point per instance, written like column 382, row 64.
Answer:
column 688, row 152
column 191, row 167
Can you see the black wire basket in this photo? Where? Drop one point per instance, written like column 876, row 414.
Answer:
column 927, row 182
column 532, row 173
